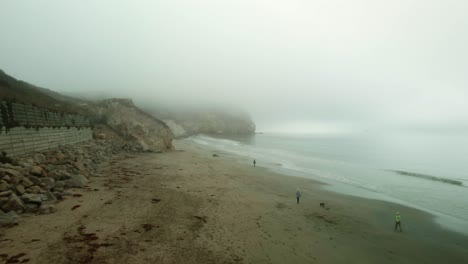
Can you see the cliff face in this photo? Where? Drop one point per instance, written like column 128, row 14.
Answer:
column 177, row 130
column 207, row 121
column 130, row 122
column 121, row 115
column 217, row 123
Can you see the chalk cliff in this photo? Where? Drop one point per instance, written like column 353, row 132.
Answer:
column 132, row 123
column 206, row 121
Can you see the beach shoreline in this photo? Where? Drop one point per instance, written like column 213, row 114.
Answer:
column 188, row 206
column 348, row 182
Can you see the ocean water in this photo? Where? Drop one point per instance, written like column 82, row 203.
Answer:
column 424, row 171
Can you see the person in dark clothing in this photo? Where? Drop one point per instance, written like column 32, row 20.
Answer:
column 255, row 162
column 298, row 195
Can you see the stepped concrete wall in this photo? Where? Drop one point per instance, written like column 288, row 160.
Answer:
column 20, row 141
column 25, row 129
column 15, row 114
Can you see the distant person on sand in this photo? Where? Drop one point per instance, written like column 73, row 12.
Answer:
column 398, row 221
column 255, row 162
column 298, row 195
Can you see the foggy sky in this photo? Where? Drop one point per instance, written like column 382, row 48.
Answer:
column 300, row 64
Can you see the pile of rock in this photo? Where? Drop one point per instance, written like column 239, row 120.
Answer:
column 34, row 183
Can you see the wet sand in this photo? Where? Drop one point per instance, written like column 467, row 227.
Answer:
column 187, row 206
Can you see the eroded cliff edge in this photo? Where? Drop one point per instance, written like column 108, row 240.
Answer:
column 193, row 121
column 132, row 123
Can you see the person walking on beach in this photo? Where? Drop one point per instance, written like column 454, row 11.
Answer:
column 298, row 195
column 255, row 162
column 398, row 221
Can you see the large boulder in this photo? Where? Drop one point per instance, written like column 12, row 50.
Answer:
column 8, row 218
column 14, row 203
column 24, row 164
column 28, row 182
column 5, row 193
column 9, row 171
column 49, row 197
column 4, row 199
column 60, row 175
column 77, row 180
column 4, row 186
column 48, row 182
column 36, row 170
column 59, row 184
column 34, row 189
column 33, row 180
column 7, row 166
column 19, row 189
column 15, row 179
column 31, row 198
column 80, row 166
column 6, row 178
column 39, row 158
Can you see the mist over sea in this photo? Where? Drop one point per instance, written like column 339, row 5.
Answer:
column 425, row 171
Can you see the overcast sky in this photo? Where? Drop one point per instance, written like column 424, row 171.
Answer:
column 305, row 63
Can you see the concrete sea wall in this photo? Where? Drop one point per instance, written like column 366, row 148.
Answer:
column 19, row 141
column 25, row 129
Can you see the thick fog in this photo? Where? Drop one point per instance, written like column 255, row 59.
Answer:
column 300, row 65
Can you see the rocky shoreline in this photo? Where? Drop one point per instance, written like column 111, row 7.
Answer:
column 34, row 183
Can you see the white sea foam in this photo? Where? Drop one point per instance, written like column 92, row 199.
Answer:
column 347, row 163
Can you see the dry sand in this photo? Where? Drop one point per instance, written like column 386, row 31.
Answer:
column 189, row 207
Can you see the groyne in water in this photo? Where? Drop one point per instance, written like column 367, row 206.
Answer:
column 427, row 177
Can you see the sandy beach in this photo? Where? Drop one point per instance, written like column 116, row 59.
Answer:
column 187, row 206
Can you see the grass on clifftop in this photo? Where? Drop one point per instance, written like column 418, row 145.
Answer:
column 14, row 90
